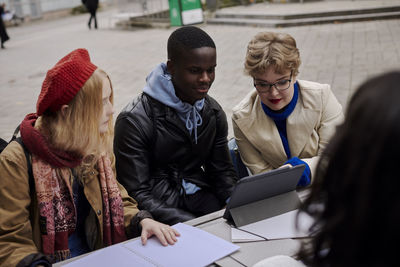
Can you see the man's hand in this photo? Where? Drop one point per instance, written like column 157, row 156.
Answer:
column 165, row 233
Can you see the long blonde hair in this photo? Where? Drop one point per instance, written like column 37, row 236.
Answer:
column 76, row 129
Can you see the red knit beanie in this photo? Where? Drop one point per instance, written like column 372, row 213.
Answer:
column 64, row 81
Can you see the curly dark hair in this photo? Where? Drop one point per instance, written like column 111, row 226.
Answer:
column 354, row 199
column 187, row 38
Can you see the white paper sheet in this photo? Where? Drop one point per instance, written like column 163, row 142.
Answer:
column 115, row 255
column 195, row 247
column 281, row 226
column 238, row 236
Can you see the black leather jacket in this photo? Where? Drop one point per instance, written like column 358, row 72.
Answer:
column 154, row 151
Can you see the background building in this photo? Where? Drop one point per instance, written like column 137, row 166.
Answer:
column 35, row 8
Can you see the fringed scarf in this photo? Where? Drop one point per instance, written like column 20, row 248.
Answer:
column 57, row 212
column 113, row 207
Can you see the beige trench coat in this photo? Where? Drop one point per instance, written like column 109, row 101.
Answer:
column 309, row 128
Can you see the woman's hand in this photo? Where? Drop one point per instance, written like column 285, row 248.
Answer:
column 286, row 165
column 165, row 233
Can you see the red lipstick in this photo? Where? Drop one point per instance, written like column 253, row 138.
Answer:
column 275, row 101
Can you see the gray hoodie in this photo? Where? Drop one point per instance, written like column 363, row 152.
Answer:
column 160, row 87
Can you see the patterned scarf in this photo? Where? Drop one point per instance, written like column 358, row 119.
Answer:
column 57, row 212
column 37, row 144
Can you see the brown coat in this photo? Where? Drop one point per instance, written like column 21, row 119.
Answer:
column 19, row 214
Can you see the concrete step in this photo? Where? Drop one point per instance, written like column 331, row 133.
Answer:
column 260, row 22
column 300, row 15
column 158, row 19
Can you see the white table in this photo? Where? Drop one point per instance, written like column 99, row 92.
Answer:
column 249, row 252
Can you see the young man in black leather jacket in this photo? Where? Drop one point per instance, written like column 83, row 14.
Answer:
column 171, row 142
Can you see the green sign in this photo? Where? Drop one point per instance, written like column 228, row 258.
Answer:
column 175, row 13
column 190, row 4
column 185, row 12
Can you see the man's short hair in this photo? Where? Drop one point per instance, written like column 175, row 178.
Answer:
column 187, row 38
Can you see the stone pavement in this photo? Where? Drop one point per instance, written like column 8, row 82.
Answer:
column 342, row 55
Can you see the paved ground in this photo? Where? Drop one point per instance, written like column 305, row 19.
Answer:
column 342, row 55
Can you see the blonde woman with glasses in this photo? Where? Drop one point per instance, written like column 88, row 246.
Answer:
column 282, row 121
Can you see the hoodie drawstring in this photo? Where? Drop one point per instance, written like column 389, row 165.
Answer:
column 194, row 122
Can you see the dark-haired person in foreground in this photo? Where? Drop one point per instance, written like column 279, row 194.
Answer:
column 171, row 142
column 354, row 198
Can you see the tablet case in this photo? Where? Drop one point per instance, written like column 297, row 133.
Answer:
column 264, row 195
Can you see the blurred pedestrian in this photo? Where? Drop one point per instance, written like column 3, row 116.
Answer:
column 91, row 6
column 3, row 33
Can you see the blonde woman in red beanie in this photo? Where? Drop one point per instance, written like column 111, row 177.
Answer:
column 65, row 201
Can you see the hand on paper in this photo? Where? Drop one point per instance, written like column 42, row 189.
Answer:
column 165, row 233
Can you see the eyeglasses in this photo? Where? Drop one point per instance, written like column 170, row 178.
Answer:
column 281, row 85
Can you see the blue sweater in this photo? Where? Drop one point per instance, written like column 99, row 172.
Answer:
column 279, row 117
